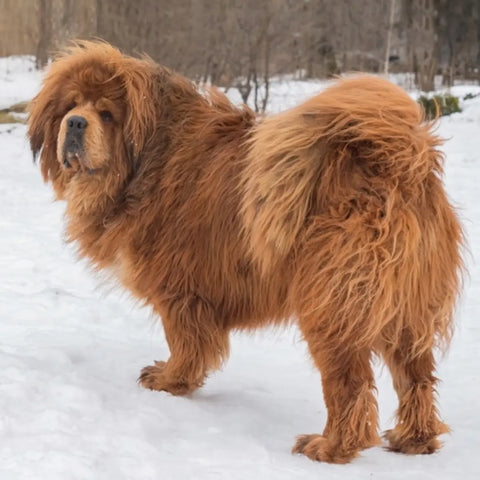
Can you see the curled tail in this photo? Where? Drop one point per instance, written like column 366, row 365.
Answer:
column 359, row 131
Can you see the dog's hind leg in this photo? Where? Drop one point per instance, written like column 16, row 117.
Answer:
column 348, row 389
column 336, row 293
column 418, row 423
column 426, row 286
column 198, row 345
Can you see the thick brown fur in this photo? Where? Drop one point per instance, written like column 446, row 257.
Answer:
column 332, row 213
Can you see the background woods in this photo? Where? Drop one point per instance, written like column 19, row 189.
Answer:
column 242, row 43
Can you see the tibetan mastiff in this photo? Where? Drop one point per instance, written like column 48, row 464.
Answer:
column 332, row 215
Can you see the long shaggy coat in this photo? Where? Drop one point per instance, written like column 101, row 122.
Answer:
column 332, row 214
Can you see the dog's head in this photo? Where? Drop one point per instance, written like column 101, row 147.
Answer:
column 93, row 116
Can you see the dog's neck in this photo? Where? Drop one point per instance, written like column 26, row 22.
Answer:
column 93, row 216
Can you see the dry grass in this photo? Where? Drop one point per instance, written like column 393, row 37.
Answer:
column 18, row 108
column 6, row 117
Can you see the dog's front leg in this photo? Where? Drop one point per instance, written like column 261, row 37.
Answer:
column 198, row 345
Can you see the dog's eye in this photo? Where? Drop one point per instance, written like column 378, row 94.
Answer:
column 106, row 116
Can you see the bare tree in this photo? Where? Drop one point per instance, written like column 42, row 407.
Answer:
column 250, row 62
column 242, row 43
column 419, row 17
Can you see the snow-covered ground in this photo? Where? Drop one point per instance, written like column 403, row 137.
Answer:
column 71, row 349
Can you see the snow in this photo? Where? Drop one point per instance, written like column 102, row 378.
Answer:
column 71, row 348
column 285, row 92
column 19, row 80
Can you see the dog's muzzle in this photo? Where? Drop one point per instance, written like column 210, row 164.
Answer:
column 73, row 147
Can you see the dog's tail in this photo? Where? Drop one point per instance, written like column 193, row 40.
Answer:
column 305, row 158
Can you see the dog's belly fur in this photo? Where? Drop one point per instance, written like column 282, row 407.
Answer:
column 191, row 262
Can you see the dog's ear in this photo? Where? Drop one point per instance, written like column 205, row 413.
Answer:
column 140, row 81
column 43, row 127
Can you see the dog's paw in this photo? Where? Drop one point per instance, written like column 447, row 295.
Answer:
column 317, row 447
column 154, row 377
column 412, row 445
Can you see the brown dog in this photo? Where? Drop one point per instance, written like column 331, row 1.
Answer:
column 332, row 213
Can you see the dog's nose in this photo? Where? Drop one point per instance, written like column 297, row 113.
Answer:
column 77, row 124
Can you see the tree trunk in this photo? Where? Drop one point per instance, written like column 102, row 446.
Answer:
column 45, row 33
column 389, row 37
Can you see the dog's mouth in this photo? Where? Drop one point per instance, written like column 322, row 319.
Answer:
column 73, row 159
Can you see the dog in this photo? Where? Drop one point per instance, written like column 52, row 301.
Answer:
column 331, row 215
